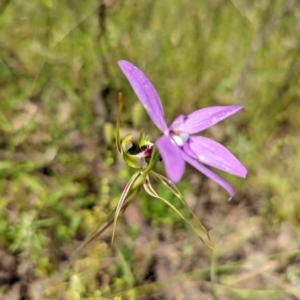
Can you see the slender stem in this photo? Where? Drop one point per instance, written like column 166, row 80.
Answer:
column 120, row 106
column 140, row 180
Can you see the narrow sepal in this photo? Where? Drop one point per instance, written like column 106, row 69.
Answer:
column 145, row 92
column 123, row 198
column 149, row 189
column 172, row 187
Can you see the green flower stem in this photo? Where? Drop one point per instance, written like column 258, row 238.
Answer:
column 141, row 179
column 120, row 106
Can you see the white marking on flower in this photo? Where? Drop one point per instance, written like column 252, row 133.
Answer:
column 201, row 158
column 180, row 138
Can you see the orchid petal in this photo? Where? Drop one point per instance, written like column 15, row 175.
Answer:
column 206, row 117
column 178, row 121
column 210, row 174
column 145, row 92
column 172, row 158
column 216, row 155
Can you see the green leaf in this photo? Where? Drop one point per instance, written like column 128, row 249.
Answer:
column 149, row 189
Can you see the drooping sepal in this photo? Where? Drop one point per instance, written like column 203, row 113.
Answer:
column 125, row 195
column 149, row 189
column 172, row 187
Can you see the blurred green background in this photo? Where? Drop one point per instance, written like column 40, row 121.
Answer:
column 59, row 170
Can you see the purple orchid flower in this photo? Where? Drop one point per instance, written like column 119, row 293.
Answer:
column 178, row 144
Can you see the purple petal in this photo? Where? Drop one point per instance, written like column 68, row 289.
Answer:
column 210, row 175
column 178, row 121
column 172, row 158
column 145, row 92
column 206, row 117
column 214, row 154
